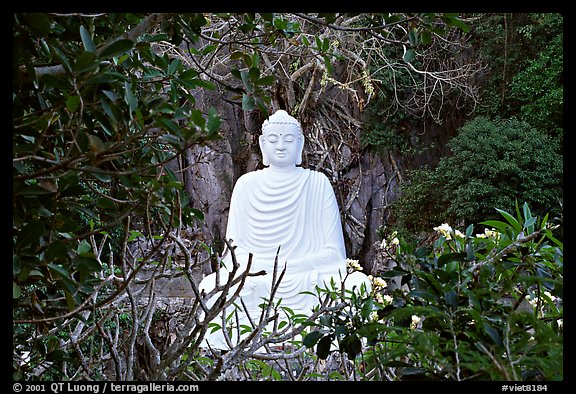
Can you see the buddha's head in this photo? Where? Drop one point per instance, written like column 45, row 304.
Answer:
column 282, row 140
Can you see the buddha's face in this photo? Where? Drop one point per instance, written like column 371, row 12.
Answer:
column 281, row 145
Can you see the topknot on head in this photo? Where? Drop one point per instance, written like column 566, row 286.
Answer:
column 281, row 117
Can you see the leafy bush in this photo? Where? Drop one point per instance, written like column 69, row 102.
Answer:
column 485, row 306
column 524, row 77
column 539, row 90
column 493, row 163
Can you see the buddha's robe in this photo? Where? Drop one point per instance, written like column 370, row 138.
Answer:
column 293, row 211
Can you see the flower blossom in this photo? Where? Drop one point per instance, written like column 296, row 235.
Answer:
column 384, row 300
column 445, row 230
column 488, row 234
column 377, row 282
column 415, row 321
column 353, row 264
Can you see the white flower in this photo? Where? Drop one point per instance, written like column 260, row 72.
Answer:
column 415, row 321
column 552, row 297
column 459, row 234
column 377, row 282
column 384, row 300
column 444, row 230
column 488, row 234
column 353, row 264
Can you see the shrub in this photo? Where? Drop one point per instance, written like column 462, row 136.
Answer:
column 482, row 306
column 493, row 163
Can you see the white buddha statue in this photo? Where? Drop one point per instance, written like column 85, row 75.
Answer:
column 288, row 210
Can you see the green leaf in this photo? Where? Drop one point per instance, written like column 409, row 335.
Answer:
column 87, row 40
column 423, row 295
column 247, row 60
column 87, row 61
column 328, row 63
column 31, row 233
column 39, row 24
column 412, row 37
column 129, row 97
column 113, row 96
column 254, row 74
column 98, row 173
column 247, row 102
column 394, row 272
column 56, row 251
column 455, row 21
column 16, row 291
column 107, row 77
column 209, row 48
column 426, row 37
column 188, row 74
column 323, row 348
column 409, row 55
column 197, row 118
column 312, row 338
column 367, row 308
column 117, row 48
column 318, row 43
column 492, row 333
column 172, row 140
column 110, row 110
column 267, row 80
column 62, row 58
column 168, row 124
column 72, row 103
column 529, row 225
column 214, row 121
column 325, row 45
column 236, row 55
column 56, row 82
column 451, row 298
column 245, row 76
column 498, row 225
column 325, row 320
column 32, row 190
column 446, row 258
column 87, row 265
column 517, row 227
column 83, row 247
column 174, row 66
column 351, row 345
column 553, row 239
column 68, row 283
column 203, row 84
column 411, row 371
